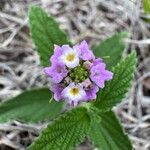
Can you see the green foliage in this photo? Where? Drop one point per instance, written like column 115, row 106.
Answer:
column 71, row 127
column 112, row 47
column 30, row 106
column 65, row 132
column 115, row 90
column 108, row 134
column 146, row 5
column 45, row 33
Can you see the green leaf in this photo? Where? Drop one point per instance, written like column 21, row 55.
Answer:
column 30, row 106
column 65, row 132
column 45, row 33
column 115, row 90
column 112, row 47
column 108, row 134
column 146, row 5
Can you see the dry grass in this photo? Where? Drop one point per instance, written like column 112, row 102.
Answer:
column 92, row 20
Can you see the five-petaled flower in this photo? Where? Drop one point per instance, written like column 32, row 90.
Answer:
column 76, row 74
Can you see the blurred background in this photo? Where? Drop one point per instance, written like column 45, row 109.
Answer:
column 92, row 20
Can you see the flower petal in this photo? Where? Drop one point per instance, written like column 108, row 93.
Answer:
column 86, row 53
column 69, row 57
column 74, row 93
column 57, row 72
column 91, row 92
column 99, row 74
column 57, row 53
column 57, row 89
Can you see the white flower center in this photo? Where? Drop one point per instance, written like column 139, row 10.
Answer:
column 74, row 91
column 70, row 58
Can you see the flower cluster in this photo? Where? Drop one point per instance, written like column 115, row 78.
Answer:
column 76, row 74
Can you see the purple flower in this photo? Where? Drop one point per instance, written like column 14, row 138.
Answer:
column 57, row 53
column 99, row 74
column 97, row 61
column 69, row 57
column 86, row 53
column 91, row 92
column 57, row 72
column 74, row 93
column 76, row 74
column 57, row 89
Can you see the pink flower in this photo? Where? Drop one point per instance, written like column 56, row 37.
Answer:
column 76, row 74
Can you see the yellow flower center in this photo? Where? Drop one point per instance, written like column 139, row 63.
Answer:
column 74, row 91
column 70, row 57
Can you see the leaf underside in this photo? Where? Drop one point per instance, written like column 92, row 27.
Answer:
column 112, row 47
column 108, row 134
column 115, row 90
column 31, row 106
column 45, row 33
column 65, row 132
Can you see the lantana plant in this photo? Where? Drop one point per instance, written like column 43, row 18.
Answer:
column 85, row 84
